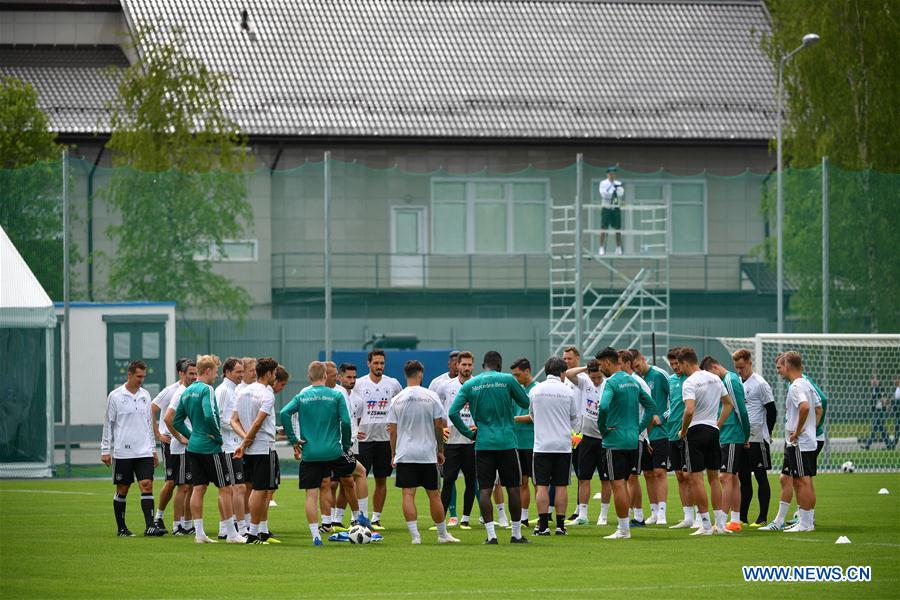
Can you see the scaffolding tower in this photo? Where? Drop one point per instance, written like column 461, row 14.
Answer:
column 623, row 300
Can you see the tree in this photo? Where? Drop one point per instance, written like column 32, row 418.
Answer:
column 30, row 186
column 843, row 102
column 181, row 187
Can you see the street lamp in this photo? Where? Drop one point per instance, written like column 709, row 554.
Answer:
column 808, row 40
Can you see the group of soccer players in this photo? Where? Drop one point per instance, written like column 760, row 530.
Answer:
column 616, row 415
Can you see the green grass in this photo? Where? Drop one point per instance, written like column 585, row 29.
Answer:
column 63, row 545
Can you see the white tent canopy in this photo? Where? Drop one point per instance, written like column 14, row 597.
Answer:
column 23, row 302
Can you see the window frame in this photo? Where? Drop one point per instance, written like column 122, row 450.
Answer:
column 212, row 252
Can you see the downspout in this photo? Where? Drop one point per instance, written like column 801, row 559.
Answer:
column 90, row 227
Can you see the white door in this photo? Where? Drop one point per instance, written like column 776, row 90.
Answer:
column 408, row 260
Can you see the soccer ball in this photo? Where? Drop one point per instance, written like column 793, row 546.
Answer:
column 359, row 535
column 848, row 467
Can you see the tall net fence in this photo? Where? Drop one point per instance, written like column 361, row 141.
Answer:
column 859, row 375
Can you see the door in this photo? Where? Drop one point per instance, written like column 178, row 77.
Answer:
column 408, row 260
column 141, row 337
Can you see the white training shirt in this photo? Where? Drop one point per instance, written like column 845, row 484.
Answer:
column 801, row 391
column 414, row 411
column 447, row 394
column 707, row 391
column 606, row 192
column 176, row 447
column 589, row 398
column 128, row 425
column 642, row 436
column 374, row 399
column 758, row 393
column 162, row 400
column 225, row 399
column 438, row 382
column 252, row 400
column 555, row 412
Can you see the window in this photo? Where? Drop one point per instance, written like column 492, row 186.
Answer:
column 489, row 216
column 232, row 251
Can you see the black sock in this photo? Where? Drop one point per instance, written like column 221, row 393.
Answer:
column 119, row 510
column 543, row 521
column 147, row 507
column 560, row 521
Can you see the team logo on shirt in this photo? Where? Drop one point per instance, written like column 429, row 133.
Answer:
column 382, row 403
column 370, row 404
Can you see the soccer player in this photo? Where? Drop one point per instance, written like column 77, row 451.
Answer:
column 521, row 370
column 657, row 444
column 347, row 380
column 322, row 443
column 232, row 375
column 491, row 396
column 572, row 357
column 611, row 194
column 249, row 364
column 589, row 381
column 347, row 376
column 181, row 512
column 374, row 391
column 204, row 450
column 555, row 412
column 619, row 425
column 734, row 441
column 762, row 414
column 452, row 371
column 157, row 411
column 459, row 450
column 415, row 423
column 703, row 394
column 129, row 447
column 674, row 419
column 644, row 462
column 253, row 418
column 798, row 466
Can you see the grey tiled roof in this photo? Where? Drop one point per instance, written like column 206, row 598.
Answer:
column 565, row 69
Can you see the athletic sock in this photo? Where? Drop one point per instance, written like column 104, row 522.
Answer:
column 489, row 525
column 516, row 529
column 364, row 507
column 501, row 512
column 254, row 529
column 720, row 519
column 812, row 516
column 806, row 518
column 582, row 511
column 354, row 515
column 464, row 519
column 783, row 508
column 314, row 530
column 147, row 507
column 441, row 528
column 376, row 516
column 653, row 509
column 119, row 510
column 198, row 528
column 661, row 510
column 524, row 516
column 688, row 513
column 241, row 526
column 338, row 515
column 736, row 516
column 224, row 526
column 704, row 518
column 413, row 528
column 159, row 514
column 543, row 521
column 624, row 524
column 639, row 514
column 604, row 510
column 326, row 520
column 264, row 526
column 247, row 518
column 333, row 514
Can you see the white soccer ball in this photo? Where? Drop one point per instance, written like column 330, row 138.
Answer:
column 360, row 535
column 848, row 467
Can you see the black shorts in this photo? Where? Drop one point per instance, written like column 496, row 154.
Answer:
column 644, row 460
column 590, row 457
column 313, row 473
column 618, row 464
column 491, row 464
column 235, row 467
column 611, row 218
column 798, row 463
column 413, row 475
column 759, row 456
column 262, row 471
column 167, row 462
column 525, row 459
column 552, row 468
column 376, row 458
column 208, row 468
column 658, row 459
column 459, row 457
column 676, row 455
column 734, row 456
column 819, row 445
column 127, row 470
column 701, row 449
column 181, row 470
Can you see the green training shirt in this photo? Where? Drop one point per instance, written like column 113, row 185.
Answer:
column 617, row 416
column 524, row 431
column 820, row 428
column 324, row 423
column 736, row 428
column 198, row 403
column 676, row 407
column 658, row 382
column 492, row 397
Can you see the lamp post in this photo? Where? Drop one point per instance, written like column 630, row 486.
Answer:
column 808, row 40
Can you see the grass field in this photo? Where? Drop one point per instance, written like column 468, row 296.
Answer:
column 58, row 541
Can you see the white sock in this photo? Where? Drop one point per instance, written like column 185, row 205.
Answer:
column 582, row 511
column 550, row 509
column 661, row 510
column 314, row 530
column 501, row 513
column 376, row 516
column 354, row 515
column 516, row 529
column 442, row 529
column 783, row 508
column 364, row 507
column 222, row 528
column 806, row 518
column 489, row 525
column 338, row 515
column 720, row 519
column 688, row 513
column 524, row 516
column 159, row 514
column 198, row 528
column 704, row 518
column 639, row 514
column 241, row 525
column 230, row 531
column 264, row 526
column 254, row 529
column 326, row 519
column 183, row 523
column 247, row 518
column 413, row 528
column 624, row 524
column 736, row 516
column 333, row 513
column 604, row 510
column 465, row 518
column 653, row 509
column 812, row 516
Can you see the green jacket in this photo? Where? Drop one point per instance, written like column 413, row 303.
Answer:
column 617, row 416
column 820, row 429
column 492, row 397
column 524, row 431
column 324, row 423
column 676, row 407
column 198, row 403
column 736, row 428
column 658, row 380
